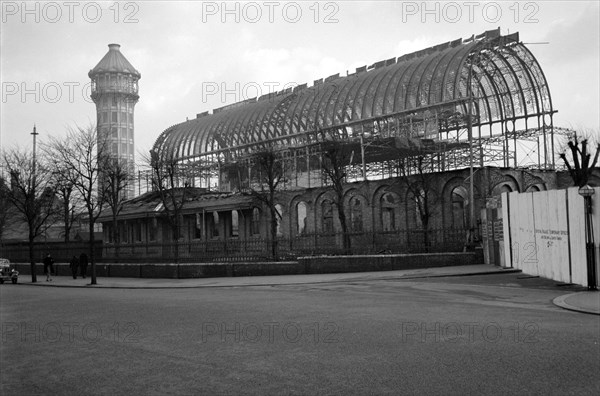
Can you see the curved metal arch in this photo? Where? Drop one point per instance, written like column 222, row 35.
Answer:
column 346, row 103
column 302, row 110
column 312, row 111
column 498, row 100
column 425, row 79
column 399, row 93
column 340, row 103
column 253, row 133
column 435, row 87
column 360, row 94
column 238, row 124
column 277, row 119
column 320, row 110
column 370, row 95
column 520, row 104
column 535, row 86
column 291, row 115
column 389, row 94
column 379, row 101
column 454, row 69
column 270, row 119
column 501, row 101
column 230, row 125
column 539, row 72
column 263, row 119
column 328, row 112
column 413, row 82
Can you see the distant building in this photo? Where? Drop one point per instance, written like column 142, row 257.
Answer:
column 115, row 92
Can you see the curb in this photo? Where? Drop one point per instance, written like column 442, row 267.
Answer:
column 560, row 301
column 100, row 286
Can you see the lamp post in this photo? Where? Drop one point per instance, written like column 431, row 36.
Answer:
column 470, row 99
column 33, row 184
column 587, row 192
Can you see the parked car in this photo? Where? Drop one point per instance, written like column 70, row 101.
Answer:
column 7, row 272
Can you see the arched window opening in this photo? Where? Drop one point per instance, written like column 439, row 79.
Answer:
column 420, row 210
column 388, row 212
column 214, row 226
column 356, row 219
column 301, row 217
column 255, row 222
column 460, row 202
column 235, row 224
column 327, row 221
column 279, row 214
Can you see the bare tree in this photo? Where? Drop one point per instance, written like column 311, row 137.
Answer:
column 31, row 193
column 69, row 213
column 270, row 174
column 171, row 180
column 116, row 178
column 335, row 160
column 579, row 160
column 83, row 156
column 422, row 188
column 4, row 205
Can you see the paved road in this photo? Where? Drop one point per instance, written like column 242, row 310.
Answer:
column 492, row 334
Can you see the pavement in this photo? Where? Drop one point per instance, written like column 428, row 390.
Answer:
column 585, row 302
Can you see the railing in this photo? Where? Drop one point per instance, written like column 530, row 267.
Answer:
column 60, row 251
column 235, row 250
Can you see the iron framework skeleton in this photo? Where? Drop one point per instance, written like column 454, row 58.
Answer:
column 418, row 103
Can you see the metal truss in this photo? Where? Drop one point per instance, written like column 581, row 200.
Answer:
column 486, row 94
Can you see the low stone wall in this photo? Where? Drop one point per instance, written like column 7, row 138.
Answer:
column 389, row 262
column 304, row 265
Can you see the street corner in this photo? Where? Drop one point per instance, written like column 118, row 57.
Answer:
column 585, row 302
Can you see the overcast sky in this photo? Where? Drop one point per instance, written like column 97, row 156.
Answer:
column 197, row 56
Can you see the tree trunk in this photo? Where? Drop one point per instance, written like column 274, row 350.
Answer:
column 175, row 229
column 116, row 236
column 32, row 260
column 346, row 243
column 273, row 233
column 92, row 258
column 67, row 220
column 426, row 234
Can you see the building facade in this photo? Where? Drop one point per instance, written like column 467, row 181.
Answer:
column 462, row 121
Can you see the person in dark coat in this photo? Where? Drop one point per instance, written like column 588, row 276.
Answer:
column 48, row 267
column 74, row 264
column 83, row 263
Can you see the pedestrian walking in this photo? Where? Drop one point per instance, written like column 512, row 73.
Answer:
column 48, row 267
column 83, row 263
column 74, row 264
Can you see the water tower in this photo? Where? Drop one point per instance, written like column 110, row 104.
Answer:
column 115, row 93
